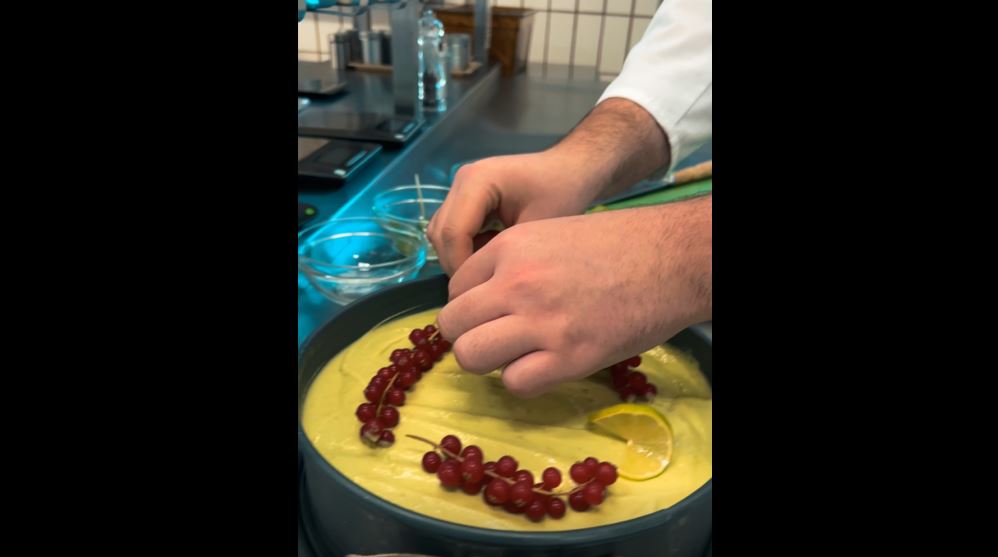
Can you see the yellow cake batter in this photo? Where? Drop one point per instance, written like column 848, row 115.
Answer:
column 550, row 430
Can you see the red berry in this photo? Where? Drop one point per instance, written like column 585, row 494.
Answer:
column 535, row 510
column 451, row 443
column 618, row 368
column 398, row 353
column 387, row 439
column 551, row 477
column 407, row 379
column 594, row 493
column 371, row 430
column 627, row 395
column 372, row 394
column 649, row 391
column 607, row 473
column 385, row 373
column 512, row 508
column 556, row 508
column 365, row 412
column 395, row 397
column 413, row 367
column 592, row 465
column 431, row 461
column 633, row 361
column 521, row 494
column 417, row 337
column 636, row 381
column 433, row 350
column 497, row 492
column 404, row 360
column 506, row 466
column 389, row 417
column 449, row 474
column 378, row 383
column 472, row 471
column 444, row 345
column 429, row 330
column 490, row 466
column 472, row 488
column 580, row 473
column 423, row 359
column 473, row 452
column 578, row 501
column 620, row 380
column 523, row 475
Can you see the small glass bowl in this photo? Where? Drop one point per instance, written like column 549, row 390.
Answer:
column 346, row 258
column 413, row 206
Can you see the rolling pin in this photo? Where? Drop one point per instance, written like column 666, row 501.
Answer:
column 693, row 173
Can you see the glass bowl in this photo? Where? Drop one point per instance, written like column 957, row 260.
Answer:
column 346, row 258
column 413, row 206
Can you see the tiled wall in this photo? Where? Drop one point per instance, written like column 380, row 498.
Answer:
column 580, row 33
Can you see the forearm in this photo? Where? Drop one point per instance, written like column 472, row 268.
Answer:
column 657, row 111
column 617, row 144
column 682, row 251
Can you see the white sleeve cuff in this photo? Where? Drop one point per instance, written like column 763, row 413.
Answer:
column 669, row 74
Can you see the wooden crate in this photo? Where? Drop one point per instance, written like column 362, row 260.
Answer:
column 511, row 32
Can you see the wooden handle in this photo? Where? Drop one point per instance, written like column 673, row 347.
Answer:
column 694, row 173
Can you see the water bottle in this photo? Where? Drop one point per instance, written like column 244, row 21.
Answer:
column 432, row 76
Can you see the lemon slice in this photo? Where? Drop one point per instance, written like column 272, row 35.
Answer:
column 648, row 437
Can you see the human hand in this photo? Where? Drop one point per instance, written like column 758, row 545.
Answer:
column 558, row 299
column 513, row 189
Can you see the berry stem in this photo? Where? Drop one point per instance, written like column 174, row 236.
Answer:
column 381, row 401
column 492, row 474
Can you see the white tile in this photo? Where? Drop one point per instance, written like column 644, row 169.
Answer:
column 614, row 39
column 307, row 33
column 380, row 18
column 565, row 5
column 645, row 7
column 536, row 55
column 590, row 5
column 586, row 37
column 312, row 57
column 618, row 6
column 536, row 4
column 561, row 38
column 640, row 26
column 329, row 25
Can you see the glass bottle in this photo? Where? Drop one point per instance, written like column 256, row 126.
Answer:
column 432, row 78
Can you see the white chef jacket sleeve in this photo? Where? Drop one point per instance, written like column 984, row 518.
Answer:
column 668, row 73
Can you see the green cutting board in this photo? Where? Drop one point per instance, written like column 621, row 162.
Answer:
column 666, row 195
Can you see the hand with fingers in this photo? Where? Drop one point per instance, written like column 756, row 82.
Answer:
column 557, row 296
column 558, row 299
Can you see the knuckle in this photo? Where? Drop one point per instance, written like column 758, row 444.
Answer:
column 464, row 353
column 517, row 386
column 444, row 324
column 449, row 234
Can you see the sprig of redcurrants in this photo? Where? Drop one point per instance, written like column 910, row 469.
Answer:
column 386, row 391
column 504, row 485
column 631, row 385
